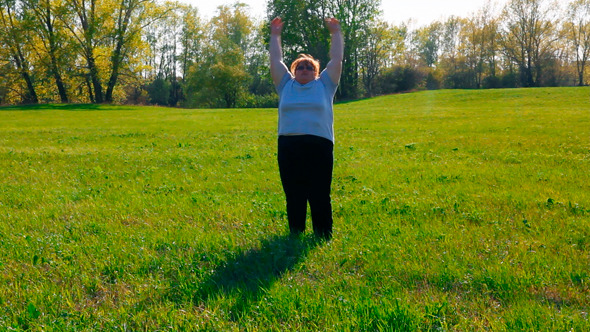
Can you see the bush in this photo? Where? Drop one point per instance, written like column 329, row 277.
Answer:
column 136, row 95
column 432, row 81
column 510, row 80
column 257, row 101
column 159, row 92
column 397, row 79
column 460, row 80
column 492, row 82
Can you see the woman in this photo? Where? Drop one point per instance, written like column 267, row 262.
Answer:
column 306, row 131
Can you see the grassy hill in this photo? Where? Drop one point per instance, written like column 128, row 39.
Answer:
column 454, row 210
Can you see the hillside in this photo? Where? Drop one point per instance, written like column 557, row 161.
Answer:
column 454, row 210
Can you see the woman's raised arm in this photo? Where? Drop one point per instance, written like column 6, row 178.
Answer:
column 334, row 66
column 277, row 67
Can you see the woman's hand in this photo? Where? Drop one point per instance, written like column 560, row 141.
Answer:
column 333, row 25
column 276, row 26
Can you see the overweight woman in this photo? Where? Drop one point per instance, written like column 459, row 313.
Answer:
column 306, row 129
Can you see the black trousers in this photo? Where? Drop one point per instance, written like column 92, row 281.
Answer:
column 305, row 165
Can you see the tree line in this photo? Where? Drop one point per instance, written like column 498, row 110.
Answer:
column 165, row 53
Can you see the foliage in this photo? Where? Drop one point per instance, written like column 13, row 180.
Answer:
column 426, row 40
column 83, row 48
column 113, row 51
column 233, row 70
column 454, row 210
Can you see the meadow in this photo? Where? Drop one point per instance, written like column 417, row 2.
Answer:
column 454, row 210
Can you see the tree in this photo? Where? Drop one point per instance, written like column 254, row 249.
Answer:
column 304, row 30
column 191, row 39
column 219, row 78
column 381, row 41
column 577, row 33
column 84, row 21
column 479, row 46
column 131, row 17
column 14, row 28
column 175, row 43
column 472, row 48
column 528, row 38
column 483, row 38
column 52, row 39
column 455, row 62
column 356, row 17
column 108, row 38
column 162, row 40
column 426, row 42
column 5, row 79
column 258, row 67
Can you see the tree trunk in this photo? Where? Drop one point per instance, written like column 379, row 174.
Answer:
column 63, row 95
column 581, row 66
column 115, row 64
column 114, row 75
column 31, row 96
column 98, row 95
column 61, row 89
column 123, row 21
column 89, row 86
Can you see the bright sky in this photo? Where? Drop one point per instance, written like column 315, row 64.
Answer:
column 421, row 12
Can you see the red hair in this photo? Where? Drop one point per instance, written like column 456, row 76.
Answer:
column 306, row 58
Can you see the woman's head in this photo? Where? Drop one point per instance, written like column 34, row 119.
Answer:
column 305, row 68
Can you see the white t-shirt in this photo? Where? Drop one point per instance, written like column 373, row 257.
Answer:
column 307, row 109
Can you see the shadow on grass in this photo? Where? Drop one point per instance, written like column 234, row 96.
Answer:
column 72, row 107
column 248, row 274
column 49, row 107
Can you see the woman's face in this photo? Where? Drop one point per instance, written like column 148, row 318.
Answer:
column 304, row 72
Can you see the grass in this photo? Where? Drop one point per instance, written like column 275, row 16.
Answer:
column 454, row 210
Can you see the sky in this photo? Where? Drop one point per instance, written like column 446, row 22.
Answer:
column 422, row 12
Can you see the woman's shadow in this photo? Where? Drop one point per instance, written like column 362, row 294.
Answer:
column 247, row 274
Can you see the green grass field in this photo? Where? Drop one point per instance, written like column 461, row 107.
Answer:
column 454, row 210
